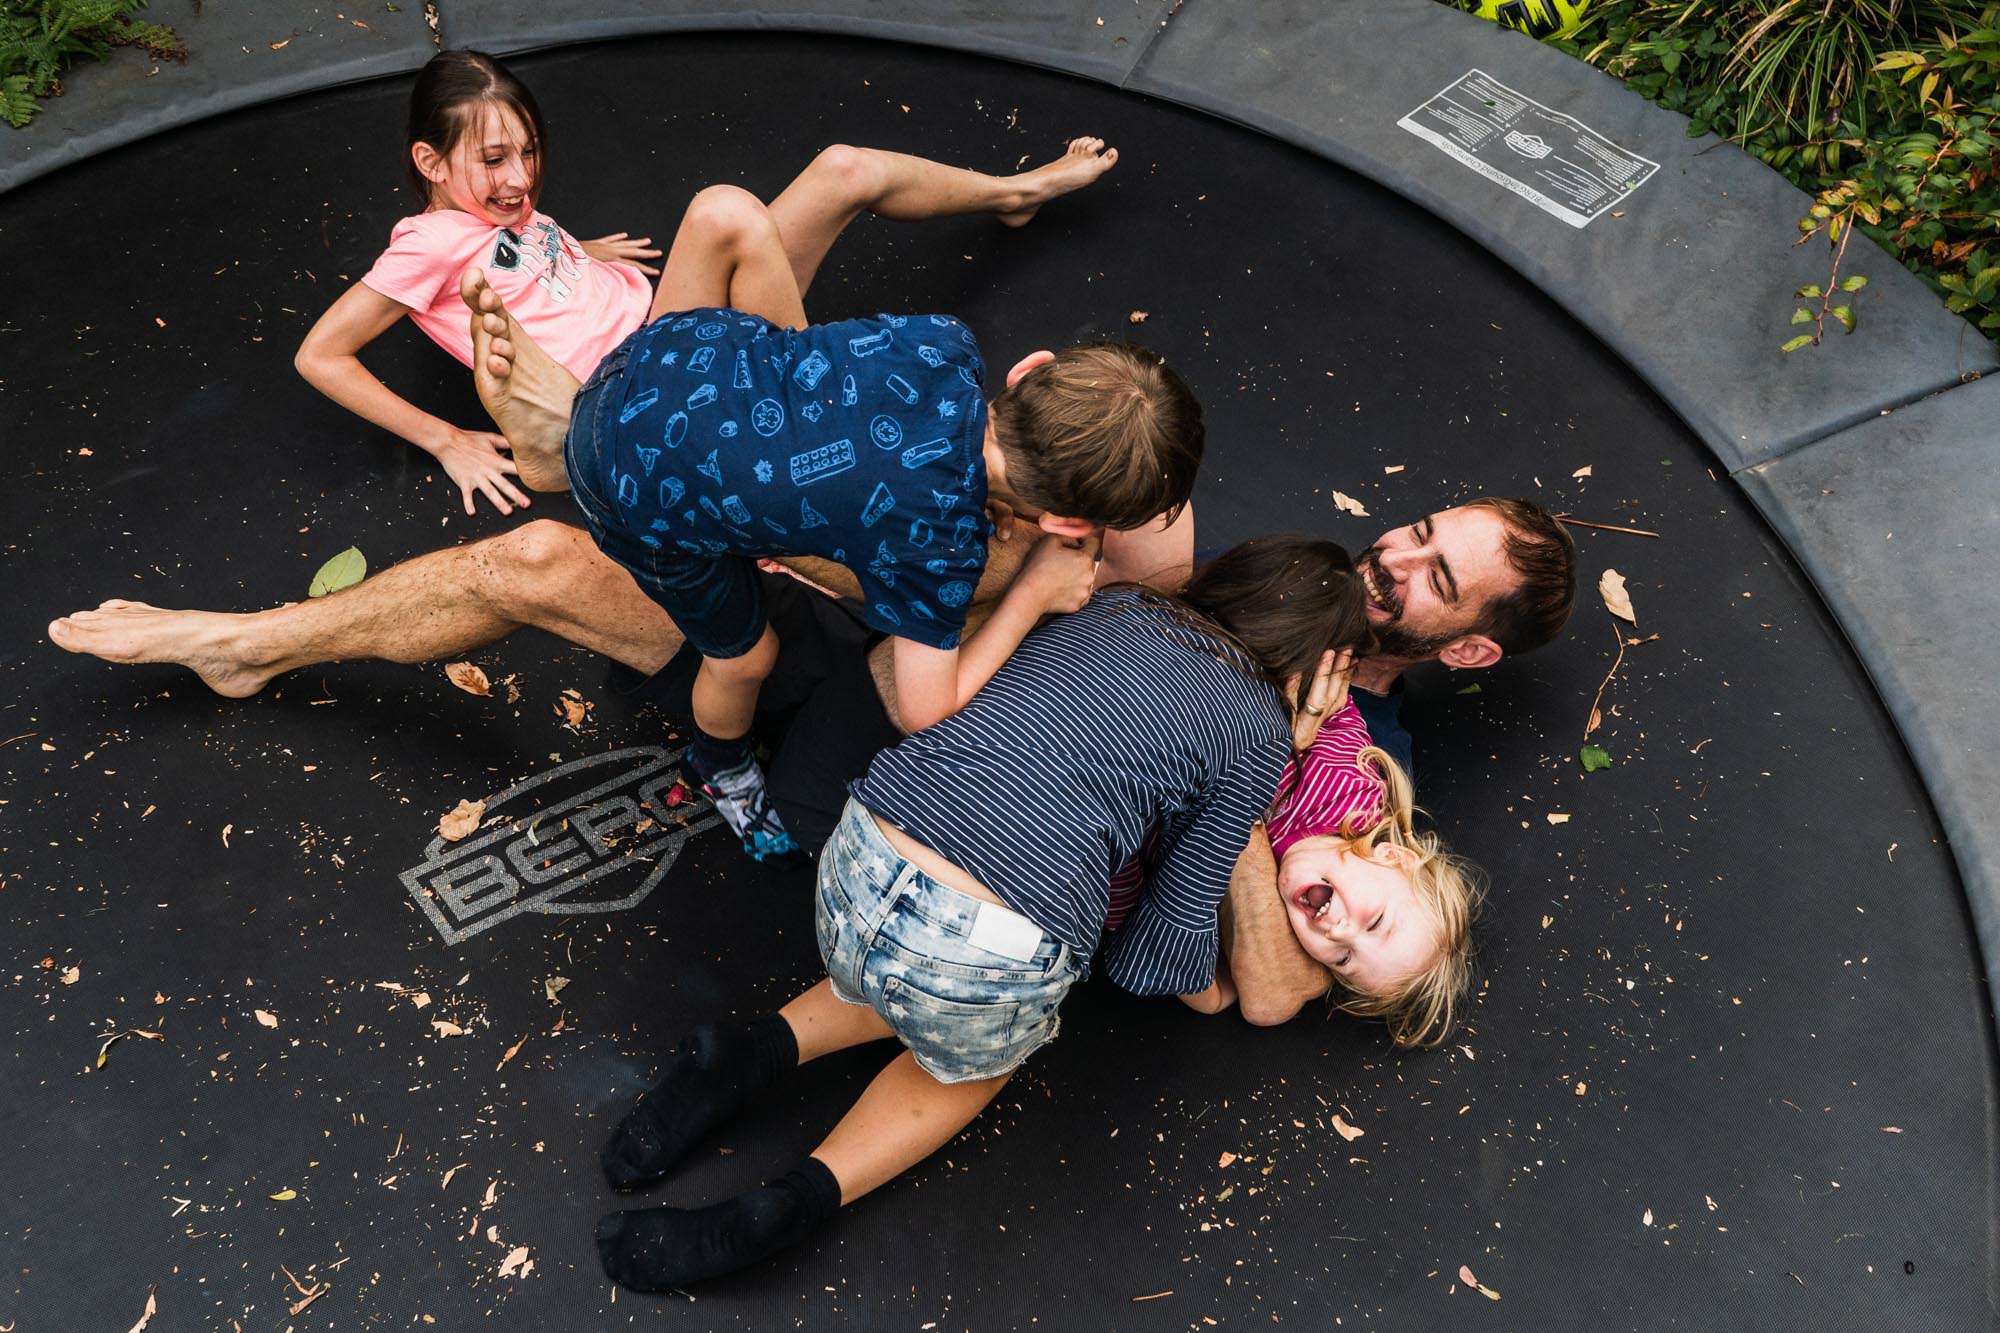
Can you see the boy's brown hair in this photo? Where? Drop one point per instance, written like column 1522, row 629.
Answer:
column 1106, row 432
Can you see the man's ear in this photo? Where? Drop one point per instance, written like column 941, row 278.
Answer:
column 1030, row 362
column 1470, row 651
column 1058, row 526
column 430, row 163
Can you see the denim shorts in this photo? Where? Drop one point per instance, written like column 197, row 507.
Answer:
column 915, row 951
column 714, row 600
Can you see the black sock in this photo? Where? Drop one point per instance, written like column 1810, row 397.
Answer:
column 711, row 755
column 715, row 1069
column 658, row 1249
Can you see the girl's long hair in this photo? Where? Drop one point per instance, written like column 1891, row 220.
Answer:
column 449, row 91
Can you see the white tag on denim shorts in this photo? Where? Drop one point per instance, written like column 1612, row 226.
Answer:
column 1001, row 930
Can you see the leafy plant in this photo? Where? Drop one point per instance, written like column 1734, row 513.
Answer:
column 41, row 38
column 1884, row 110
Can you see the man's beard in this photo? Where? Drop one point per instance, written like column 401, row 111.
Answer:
column 1391, row 638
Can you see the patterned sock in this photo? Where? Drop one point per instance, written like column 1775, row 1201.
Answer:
column 709, row 755
column 659, row 1249
column 716, row 1069
column 743, row 800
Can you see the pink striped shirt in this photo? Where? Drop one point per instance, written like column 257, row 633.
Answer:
column 1319, row 794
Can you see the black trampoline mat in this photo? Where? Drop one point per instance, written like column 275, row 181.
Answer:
column 1730, row 1065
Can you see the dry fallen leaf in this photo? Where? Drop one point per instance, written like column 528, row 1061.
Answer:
column 1647, row 1220
column 285, row 1196
column 279, row 46
column 468, row 678
column 1347, row 1131
column 517, row 1260
column 553, row 986
column 1583, row 471
column 1891, row 1129
column 486, row 1201
column 1557, row 817
column 1393, row 469
column 446, row 1028
column 70, row 975
column 1347, row 504
column 1136, row 317
column 449, row 1174
column 267, row 1018
column 510, row 1053
column 462, row 820
column 225, row 833
column 1611, row 587
column 1226, row 1159
column 571, row 711
column 152, row 1308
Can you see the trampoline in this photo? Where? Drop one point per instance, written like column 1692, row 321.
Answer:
column 1730, row 1063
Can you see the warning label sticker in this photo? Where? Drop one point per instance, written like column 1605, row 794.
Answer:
column 1555, row 162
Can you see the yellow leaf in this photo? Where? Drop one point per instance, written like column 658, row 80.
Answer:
column 285, row 1196
column 468, row 678
column 1583, row 471
column 267, row 1018
column 1347, row 504
column 462, row 820
column 70, row 975
column 1611, row 587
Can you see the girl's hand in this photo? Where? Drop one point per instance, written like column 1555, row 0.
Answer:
column 1327, row 696
column 619, row 248
column 478, row 461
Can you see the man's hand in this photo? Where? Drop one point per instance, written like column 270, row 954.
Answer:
column 1275, row 977
column 619, row 248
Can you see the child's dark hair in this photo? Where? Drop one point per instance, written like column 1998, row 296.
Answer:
column 1282, row 603
column 1105, row 432
column 450, row 89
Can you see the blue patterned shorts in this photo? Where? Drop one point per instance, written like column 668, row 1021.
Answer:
column 924, row 957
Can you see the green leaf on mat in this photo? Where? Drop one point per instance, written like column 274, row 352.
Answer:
column 343, row 571
column 1594, row 758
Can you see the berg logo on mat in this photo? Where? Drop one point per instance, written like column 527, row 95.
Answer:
column 593, row 835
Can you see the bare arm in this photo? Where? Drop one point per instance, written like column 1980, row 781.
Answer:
column 1274, row 977
column 1221, row 992
column 330, row 360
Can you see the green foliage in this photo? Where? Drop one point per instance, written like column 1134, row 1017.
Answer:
column 1885, row 110
column 41, row 38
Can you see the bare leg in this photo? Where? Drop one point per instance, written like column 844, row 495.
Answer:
column 823, row 1023
column 525, row 390
column 844, row 182
column 725, row 689
column 904, row 1116
column 728, row 253
column 544, row 574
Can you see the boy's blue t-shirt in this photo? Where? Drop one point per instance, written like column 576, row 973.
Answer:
column 860, row 442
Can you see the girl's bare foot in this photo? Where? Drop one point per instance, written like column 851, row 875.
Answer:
column 203, row 641
column 1082, row 163
column 527, row 392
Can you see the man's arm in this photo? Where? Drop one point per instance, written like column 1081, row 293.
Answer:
column 1274, row 977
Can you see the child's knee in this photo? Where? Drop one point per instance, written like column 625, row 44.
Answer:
column 848, row 172
column 731, row 218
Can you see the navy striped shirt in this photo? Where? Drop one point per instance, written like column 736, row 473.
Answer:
column 1102, row 724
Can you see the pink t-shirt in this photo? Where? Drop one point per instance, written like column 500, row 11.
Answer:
column 1319, row 793
column 575, row 308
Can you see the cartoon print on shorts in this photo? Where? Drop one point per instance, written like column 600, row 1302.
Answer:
column 774, row 525
column 883, row 566
column 733, row 508
column 966, row 531
column 849, row 395
column 812, row 518
column 869, row 344
column 648, row 457
column 711, row 466
column 928, row 452
column 886, row 431
column 701, row 360
column 710, row 330
column 880, row 501
column 740, row 377
column 812, row 370
column 676, row 431
column 921, row 533
column 902, row 388
column 683, row 323
column 813, row 410
column 767, row 418
column 919, row 610
column 709, row 506
column 956, row 593
column 628, row 488
column 885, row 612
column 947, row 409
column 930, row 356
column 818, row 464
column 763, row 471
column 945, row 504
column 727, row 430
column 671, row 491
column 702, row 397
column 638, row 404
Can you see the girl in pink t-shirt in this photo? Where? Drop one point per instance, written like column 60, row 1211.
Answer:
column 476, row 143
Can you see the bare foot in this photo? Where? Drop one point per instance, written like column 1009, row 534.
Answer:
column 525, row 390
column 203, row 641
column 1083, row 162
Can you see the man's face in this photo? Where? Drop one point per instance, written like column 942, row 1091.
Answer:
column 1429, row 583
